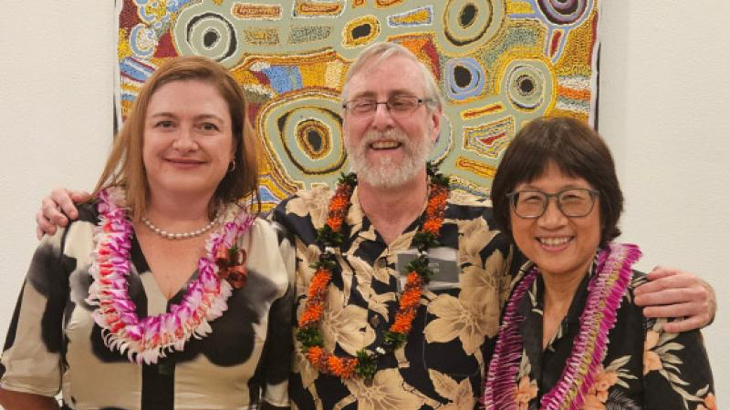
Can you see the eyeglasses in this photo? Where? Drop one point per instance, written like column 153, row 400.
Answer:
column 399, row 106
column 573, row 203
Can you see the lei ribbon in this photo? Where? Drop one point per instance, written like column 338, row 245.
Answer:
column 147, row 339
column 330, row 237
column 605, row 293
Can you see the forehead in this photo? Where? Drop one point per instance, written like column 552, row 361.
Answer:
column 553, row 178
column 188, row 97
column 394, row 75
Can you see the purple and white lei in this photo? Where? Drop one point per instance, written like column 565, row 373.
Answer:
column 605, row 293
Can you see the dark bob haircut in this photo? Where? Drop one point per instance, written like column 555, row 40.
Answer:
column 577, row 150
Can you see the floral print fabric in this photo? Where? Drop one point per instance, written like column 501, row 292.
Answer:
column 644, row 368
column 442, row 363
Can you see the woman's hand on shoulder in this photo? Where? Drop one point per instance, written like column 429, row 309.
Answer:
column 674, row 293
column 57, row 208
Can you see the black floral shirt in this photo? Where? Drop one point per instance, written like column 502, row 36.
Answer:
column 442, row 363
column 644, row 368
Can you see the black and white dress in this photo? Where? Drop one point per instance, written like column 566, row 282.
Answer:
column 53, row 343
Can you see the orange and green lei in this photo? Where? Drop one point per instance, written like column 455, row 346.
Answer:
column 329, row 237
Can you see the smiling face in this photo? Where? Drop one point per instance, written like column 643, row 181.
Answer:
column 383, row 150
column 188, row 142
column 558, row 245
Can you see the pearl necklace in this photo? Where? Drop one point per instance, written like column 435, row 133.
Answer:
column 147, row 339
column 181, row 235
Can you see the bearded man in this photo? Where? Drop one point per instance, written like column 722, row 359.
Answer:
column 400, row 281
column 361, row 341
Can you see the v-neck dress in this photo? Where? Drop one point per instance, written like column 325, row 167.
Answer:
column 53, row 343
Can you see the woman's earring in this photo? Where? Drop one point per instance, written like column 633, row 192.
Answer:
column 232, row 165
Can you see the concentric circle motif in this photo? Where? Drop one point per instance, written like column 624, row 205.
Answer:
column 526, row 86
column 464, row 78
column 314, row 138
column 469, row 22
column 563, row 12
column 303, row 135
column 206, row 34
column 360, row 31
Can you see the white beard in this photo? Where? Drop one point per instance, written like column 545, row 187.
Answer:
column 382, row 173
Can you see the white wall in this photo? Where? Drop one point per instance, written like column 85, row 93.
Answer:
column 664, row 72
column 663, row 109
column 56, row 83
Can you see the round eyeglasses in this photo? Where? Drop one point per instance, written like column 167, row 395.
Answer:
column 398, row 106
column 573, row 203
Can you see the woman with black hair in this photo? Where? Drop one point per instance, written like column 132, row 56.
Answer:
column 571, row 335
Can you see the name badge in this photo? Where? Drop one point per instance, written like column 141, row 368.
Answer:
column 442, row 262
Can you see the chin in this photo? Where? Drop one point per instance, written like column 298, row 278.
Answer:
column 186, row 187
column 385, row 174
column 385, row 178
column 562, row 268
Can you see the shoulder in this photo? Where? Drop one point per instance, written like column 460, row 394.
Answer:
column 464, row 205
column 304, row 201
column 267, row 237
column 269, row 252
column 78, row 230
column 299, row 213
column 88, row 212
column 629, row 314
column 630, row 308
column 268, row 231
column 62, row 253
column 637, row 279
column 459, row 198
column 473, row 216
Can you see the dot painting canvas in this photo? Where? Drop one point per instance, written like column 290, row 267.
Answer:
column 498, row 63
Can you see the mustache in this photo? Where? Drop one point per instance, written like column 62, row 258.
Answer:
column 391, row 135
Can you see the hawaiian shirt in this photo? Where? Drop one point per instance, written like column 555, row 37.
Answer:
column 442, row 362
column 644, row 368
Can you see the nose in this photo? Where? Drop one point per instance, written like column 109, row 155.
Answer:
column 553, row 217
column 185, row 140
column 382, row 119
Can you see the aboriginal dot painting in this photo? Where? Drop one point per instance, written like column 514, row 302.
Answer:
column 499, row 64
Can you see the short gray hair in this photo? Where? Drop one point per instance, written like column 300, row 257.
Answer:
column 376, row 53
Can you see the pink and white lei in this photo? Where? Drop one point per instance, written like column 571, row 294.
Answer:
column 149, row 338
column 605, row 293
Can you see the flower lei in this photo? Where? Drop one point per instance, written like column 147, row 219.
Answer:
column 149, row 338
column 605, row 293
column 365, row 363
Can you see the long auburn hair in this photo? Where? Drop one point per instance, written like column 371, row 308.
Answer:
column 125, row 165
